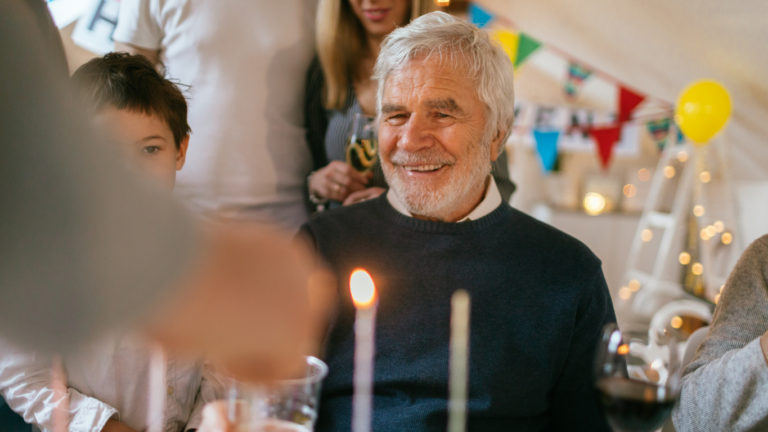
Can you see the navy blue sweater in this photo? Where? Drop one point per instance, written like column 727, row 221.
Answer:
column 539, row 302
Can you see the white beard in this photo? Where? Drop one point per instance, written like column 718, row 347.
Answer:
column 440, row 202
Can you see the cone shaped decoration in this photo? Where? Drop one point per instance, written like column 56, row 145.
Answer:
column 605, row 138
column 546, row 147
column 508, row 41
column 628, row 101
column 526, row 45
column 479, row 16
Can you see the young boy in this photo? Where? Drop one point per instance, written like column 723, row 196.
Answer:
column 108, row 381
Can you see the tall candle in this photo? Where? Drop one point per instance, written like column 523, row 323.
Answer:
column 364, row 297
column 157, row 389
column 457, row 386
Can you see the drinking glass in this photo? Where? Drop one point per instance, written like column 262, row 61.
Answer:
column 637, row 378
column 361, row 151
column 287, row 406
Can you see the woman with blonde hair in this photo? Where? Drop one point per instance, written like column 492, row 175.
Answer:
column 339, row 87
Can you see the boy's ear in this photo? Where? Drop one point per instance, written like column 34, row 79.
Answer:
column 181, row 152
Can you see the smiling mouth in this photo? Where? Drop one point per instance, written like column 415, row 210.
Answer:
column 422, row 168
column 376, row 14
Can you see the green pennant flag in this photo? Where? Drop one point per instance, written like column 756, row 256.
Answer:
column 526, row 45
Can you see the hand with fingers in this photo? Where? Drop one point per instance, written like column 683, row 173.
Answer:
column 363, row 195
column 336, row 181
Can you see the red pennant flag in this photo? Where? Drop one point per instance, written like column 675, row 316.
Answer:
column 606, row 138
column 628, row 101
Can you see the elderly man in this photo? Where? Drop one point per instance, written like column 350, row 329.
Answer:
column 539, row 299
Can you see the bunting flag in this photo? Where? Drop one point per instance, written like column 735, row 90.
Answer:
column 659, row 130
column 628, row 101
column 479, row 16
column 680, row 136
column 577, row 74
column 526, row 45
column 605, row 138
column 508, row 41
column 546, row 147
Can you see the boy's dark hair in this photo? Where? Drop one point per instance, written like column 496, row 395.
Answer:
column 132, row 83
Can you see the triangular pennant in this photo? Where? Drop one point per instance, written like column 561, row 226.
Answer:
column 508, row 41
column 526, row 45
column 577, row 74
column 479, row 16
column 605, row 138
column 659, row 130
column 546, row 147
column 628, row 101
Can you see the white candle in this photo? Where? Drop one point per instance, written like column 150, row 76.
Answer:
column 156, row 400
column 457, row 386
column 364, row 297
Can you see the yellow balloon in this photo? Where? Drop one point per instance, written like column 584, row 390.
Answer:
column 702, row 110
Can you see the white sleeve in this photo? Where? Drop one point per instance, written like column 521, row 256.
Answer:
column 25, row 383
column 137, row 24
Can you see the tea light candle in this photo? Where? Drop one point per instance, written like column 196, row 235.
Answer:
column 364, row 297
column 459, row 345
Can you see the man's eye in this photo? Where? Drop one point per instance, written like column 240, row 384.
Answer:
column 441, row 115
column 397, row 118
column 151, row 149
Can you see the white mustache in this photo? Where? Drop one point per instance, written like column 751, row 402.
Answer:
column 425, row 157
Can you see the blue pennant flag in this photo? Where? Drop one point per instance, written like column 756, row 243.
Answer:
column 546, row 147
column 479, row 16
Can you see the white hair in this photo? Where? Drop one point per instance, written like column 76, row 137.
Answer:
column 461, row 45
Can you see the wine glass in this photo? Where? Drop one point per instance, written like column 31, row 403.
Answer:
column 361, row 151
column 637, row 378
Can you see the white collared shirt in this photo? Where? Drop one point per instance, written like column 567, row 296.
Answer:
column 491, row 200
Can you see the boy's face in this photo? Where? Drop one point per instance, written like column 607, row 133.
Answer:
column 146, row 140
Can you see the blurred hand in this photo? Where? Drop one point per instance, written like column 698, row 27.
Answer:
column 116, row 426
column 255, row 304
column 363, row 195
column 337, row 180
column 215, row 418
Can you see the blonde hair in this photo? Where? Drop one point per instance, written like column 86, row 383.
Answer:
column 340, row 40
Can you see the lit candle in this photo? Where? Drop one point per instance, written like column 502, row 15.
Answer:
column 364, row 297
column 457, row 386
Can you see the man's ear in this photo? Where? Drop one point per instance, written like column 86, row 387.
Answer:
column 181, row 152
column 497, row 145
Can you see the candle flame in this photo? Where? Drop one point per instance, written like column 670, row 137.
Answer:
column 362, row 288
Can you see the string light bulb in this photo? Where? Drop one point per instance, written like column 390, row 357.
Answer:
column 646, row 235
column 684, row 258
column 443, row 3
column 682, row 156
column 698, row 210
column 643, row 174
column 669, row 171
column 697, row 269
column 726, row 238
column 594, row 203
column 629, row 190
column 705, row 176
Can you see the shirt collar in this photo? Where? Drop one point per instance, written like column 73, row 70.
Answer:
column 490, row 201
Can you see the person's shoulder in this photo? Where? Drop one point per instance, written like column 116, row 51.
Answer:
column 539, row 237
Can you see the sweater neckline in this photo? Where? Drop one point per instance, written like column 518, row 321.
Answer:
column 385, row 209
